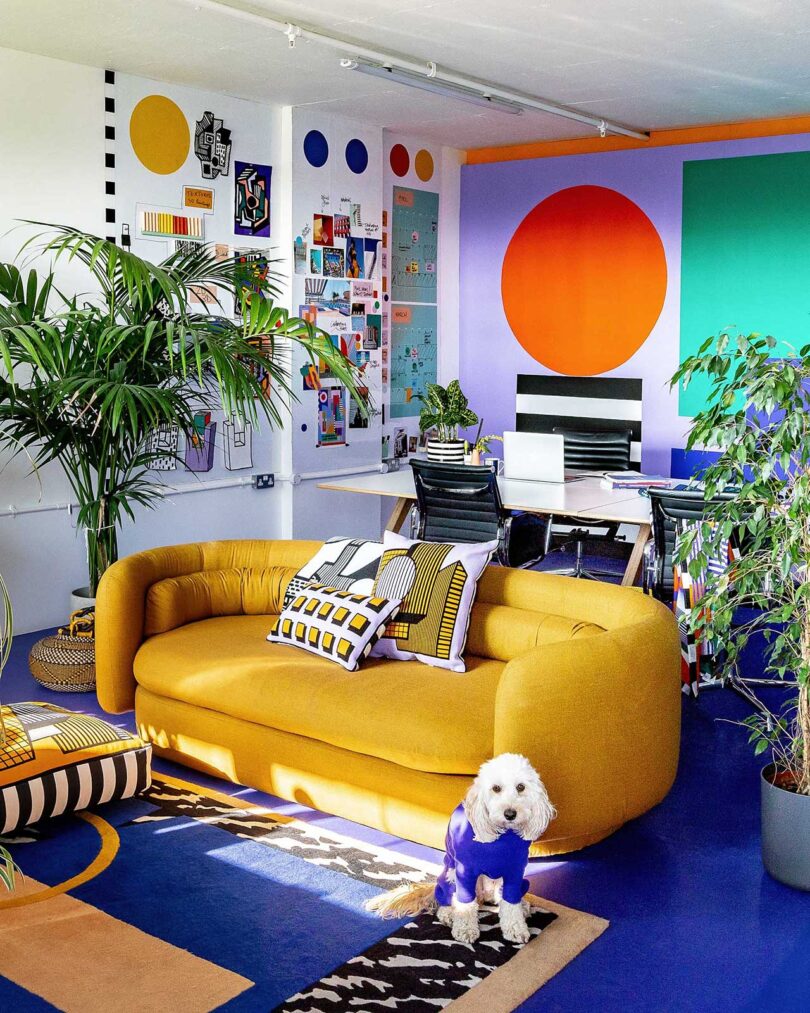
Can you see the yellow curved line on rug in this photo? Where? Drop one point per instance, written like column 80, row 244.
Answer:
column 110, row 843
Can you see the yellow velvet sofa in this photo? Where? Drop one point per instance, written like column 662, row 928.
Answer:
column 581, row 677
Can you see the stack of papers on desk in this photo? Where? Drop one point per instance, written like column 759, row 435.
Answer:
column 634, row 480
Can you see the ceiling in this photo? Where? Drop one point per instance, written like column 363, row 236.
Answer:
column 647, row 63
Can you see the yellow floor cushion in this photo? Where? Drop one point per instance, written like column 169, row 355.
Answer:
column 421, row 717
column 54, row 761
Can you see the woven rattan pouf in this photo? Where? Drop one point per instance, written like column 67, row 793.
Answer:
column 66, row 662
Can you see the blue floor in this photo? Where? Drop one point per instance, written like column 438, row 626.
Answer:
column 696, row 922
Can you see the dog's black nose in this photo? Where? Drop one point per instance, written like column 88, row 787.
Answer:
column 509, row 814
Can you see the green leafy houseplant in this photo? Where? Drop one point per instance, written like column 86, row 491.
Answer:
column 86, row 379
column 758, row 418
column 445, row 410
column 8, row 867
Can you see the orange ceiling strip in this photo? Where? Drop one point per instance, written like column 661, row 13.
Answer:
column 658, row 139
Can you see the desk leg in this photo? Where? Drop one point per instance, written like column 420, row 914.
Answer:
column 636, row 556
column 399, row 514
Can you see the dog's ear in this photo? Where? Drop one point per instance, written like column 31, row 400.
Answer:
column 542, row 811
column 476, row 809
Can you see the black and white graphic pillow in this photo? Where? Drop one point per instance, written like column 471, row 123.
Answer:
column 348, row 564
column 337, row 625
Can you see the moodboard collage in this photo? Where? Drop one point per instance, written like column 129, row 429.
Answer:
column 185, row 170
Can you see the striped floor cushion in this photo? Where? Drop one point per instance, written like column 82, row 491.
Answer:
column 53, row 761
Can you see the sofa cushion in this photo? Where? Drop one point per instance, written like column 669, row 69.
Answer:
column 424, row 718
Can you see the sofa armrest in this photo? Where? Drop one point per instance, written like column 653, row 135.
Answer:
column 123, row 590
column 599, row 718
column 120, row 611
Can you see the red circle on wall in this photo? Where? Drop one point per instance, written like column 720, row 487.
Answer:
column 583, row 280
column 400, row 160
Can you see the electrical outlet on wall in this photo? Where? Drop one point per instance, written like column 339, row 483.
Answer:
column 263, row 481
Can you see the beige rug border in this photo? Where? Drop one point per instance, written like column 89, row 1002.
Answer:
column 536, row 963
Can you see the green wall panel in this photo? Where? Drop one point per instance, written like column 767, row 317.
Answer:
column 745, row 258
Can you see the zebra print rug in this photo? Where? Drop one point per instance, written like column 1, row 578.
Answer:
column 415, row 968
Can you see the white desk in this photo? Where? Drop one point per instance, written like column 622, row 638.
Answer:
column 583, row 498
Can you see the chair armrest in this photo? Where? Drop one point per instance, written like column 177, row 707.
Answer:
column 599, row 718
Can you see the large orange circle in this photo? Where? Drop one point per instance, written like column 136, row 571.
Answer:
column 584, row 280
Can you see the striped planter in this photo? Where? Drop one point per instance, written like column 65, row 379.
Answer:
column 446, row 451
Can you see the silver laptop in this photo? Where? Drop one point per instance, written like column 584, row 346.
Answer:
column 534, row 457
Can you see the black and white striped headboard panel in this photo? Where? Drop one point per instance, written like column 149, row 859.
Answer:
column 591, row 403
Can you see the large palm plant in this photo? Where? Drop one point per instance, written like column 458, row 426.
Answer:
column 86, row 379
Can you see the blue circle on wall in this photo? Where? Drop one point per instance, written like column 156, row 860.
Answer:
column 316, row 149
column 356, row 155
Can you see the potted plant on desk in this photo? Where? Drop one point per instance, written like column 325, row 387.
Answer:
column 445, row 411
column 758, row 416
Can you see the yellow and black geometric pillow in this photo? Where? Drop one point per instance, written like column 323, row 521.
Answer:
column 334, row 624
column 54, row 761
column 436, row 583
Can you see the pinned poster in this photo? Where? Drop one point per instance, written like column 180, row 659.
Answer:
column 355, row 257
column 322, row 230
column 331, row 417
column 334, row 262
column 315, row 261
column 300, row 256
column 371, row 248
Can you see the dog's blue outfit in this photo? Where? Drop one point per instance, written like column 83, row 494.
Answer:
column 504, row 858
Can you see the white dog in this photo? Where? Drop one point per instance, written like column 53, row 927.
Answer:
column 486, row 851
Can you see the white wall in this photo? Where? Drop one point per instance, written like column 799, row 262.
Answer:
column 52, row 170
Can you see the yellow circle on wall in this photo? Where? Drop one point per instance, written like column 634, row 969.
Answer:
column 159, row 134
column 423, row 163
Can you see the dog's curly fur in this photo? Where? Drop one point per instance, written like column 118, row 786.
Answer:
column 506, row 795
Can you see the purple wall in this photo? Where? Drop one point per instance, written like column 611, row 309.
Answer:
column 494, row 200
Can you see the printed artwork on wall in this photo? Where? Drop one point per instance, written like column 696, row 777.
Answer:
column 252, row 199
column 355, row 257
column 322, row 230
column 200, row 442
column 415, row 234
column 237, row 447
column 357, row 420
column 583, row 280
column 413, row 357
column 162, row 443
column 212, row 146
column 251, row 269
column 334, row 262
column 331, row 416
column 745, row 253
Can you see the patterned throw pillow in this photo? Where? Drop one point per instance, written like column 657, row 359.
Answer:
column 437, row 583
column 349, row 564
column 337, row 625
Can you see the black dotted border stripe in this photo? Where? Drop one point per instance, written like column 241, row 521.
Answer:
column 110, row 211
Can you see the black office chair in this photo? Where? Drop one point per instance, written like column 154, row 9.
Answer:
column 592, row 451
column 668, row 508
column 462, row 503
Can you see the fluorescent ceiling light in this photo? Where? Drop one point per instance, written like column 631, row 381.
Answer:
column 425, row 83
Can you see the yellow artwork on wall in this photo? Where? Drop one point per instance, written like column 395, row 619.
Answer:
column 159, row 134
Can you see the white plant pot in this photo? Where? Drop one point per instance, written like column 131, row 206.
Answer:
column 446, row 451
column 80, row 599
